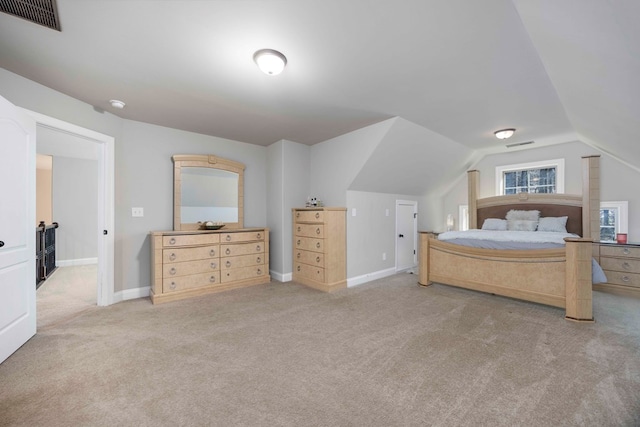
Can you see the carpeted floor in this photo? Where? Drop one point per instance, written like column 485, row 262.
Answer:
column 386, row 353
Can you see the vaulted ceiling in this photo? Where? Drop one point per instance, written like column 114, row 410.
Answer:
column 459, row 68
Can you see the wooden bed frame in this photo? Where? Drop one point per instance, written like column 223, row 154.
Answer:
column 556, row 277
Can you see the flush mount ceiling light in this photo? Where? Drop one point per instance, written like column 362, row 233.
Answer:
column 504, row 133
column 117, row 104
column 270, row 61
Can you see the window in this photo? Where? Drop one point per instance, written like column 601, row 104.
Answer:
column 463, row 217
column 613, row 219
column 537, row 177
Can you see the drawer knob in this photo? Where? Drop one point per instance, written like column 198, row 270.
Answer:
column 298, row 268
column 318, row 245
column 212, row 279
column 259, row 272
column 228, row 238
column 297, row 214
column 298, row 229
column 172, row 257
column 626, row 251
column 298, row 255
column 172, row 271
column 317, row 215
column 172, row 241
column 212, row 252
column 318, row 230
column 228, row 251
column 298, row 242
column 258, row 236
column 257, row 248
column 258, row 260
column 227, row 264
column 625, row 279
column 626, row 265
column 214, row 265
column 317, row 259
column 173, row 286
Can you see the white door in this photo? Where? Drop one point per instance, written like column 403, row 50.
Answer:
column 406, row 232
column 17, row 228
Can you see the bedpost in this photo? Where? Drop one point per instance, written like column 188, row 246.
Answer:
column 423, row 260
column 473, row 182
column 578, row 293
column 591, row 197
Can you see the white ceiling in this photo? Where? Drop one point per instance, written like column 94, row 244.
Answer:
column 460, row 68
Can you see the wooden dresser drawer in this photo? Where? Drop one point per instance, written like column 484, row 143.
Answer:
column 309, row 216
column 310, row 230
column 190, row 254
column 173, row 284
column 308, row 272
column 619, row 251
column 621, row 278
column 175, row 269
column 241, row 249
column 243, row 273
column 310, row 258
column 242, row 261
column 309, row 244
column 247, row 236
column 189, row 239
column 625, row 265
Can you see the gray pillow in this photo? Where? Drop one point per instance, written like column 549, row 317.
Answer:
column 494, row 224
column 556, row 224
column 521, row 225
column 516, row 215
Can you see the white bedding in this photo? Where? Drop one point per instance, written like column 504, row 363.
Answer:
column 492, row 239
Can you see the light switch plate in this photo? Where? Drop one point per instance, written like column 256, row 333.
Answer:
column 137, row 212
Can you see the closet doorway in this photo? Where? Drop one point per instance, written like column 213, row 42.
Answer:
column 406, row 235
column 69, row 141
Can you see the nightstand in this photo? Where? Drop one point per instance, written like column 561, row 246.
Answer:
column 621, row 265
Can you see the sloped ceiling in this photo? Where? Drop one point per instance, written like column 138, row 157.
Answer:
column 460, row 69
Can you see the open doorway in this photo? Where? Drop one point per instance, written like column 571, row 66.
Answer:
column 72, row 141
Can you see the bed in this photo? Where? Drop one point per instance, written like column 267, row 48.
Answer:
column 557, row 276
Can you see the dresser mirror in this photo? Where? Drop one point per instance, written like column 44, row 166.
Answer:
column 207, row 188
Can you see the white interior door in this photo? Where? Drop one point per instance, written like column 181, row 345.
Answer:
column 17, row 228
column 406, row 234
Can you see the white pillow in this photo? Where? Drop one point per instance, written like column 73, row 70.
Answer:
column 494, row 224
column 516, row 215
column 521, row 225
column 552, row 223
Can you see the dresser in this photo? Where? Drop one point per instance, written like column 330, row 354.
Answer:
column 320, row 247
column 621, row 265
column 191, row 263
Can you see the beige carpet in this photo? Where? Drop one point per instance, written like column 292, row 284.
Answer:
column 387, row 353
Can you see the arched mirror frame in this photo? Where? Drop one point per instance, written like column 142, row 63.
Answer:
column 204, row 161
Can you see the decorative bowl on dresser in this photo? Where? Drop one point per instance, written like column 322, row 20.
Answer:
column 192, row 263
column 621, row 265
column 319, row 247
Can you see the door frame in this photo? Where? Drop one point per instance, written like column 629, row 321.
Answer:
column 415, row 233
column 106, row 220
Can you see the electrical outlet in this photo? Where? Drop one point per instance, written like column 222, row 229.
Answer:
column 386, row 212
column 137, row 212
column 384, row 256
column 353, row 211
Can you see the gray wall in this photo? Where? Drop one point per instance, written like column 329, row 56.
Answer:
column 75, row 208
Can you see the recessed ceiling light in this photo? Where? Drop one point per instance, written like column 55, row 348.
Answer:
column 270, row 61
column 117, row 104
column 504, row 133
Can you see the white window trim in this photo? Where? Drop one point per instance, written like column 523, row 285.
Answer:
column 557, row 163
column 463, row 217
column 622, row 225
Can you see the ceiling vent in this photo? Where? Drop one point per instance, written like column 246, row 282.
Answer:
column 43, row 12
column 516, row 144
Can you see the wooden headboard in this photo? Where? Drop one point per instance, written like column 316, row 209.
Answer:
column 583, row 210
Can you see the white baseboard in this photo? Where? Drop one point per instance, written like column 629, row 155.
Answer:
column 359, row 280
column 134, row 293
column 281, row 277
column 72, row 262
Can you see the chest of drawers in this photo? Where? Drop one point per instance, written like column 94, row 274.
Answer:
column 319, row 248
column 621, row 265
column 191, row 263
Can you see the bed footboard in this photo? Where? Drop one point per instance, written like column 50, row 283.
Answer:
column 556, row 277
